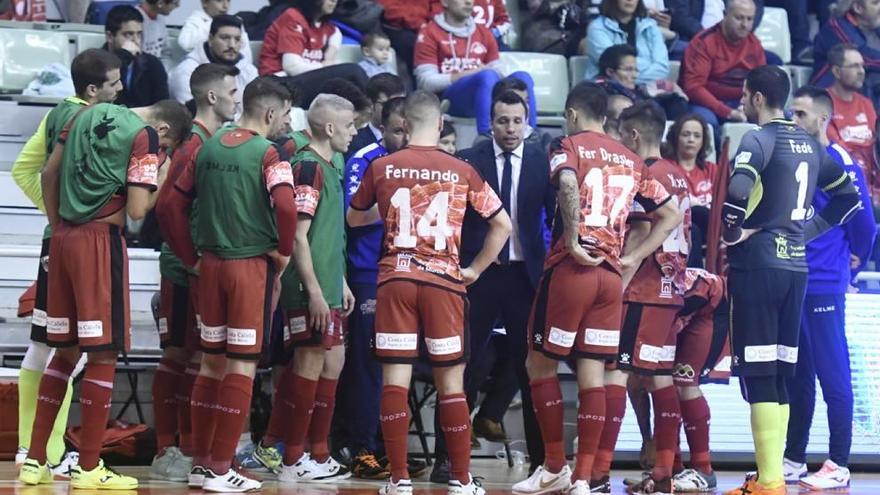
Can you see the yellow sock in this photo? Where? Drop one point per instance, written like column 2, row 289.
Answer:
column 766, row 433
column 28, row 389
column 783, row 429
column 55, row 448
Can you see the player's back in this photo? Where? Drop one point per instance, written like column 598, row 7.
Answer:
column 422, row 194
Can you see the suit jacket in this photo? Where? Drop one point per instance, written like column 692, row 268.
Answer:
column 536, row 205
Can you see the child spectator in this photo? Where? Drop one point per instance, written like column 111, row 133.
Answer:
column 376, row 48
column 447, row 138
column 155, row 28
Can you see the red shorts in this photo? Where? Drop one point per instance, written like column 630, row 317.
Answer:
column 178, row 317
column 577, row 312
column 235, row 302
column 298, row 333
column 647, row 339
column 407, row 310
column 703, row 351
column 88, row 294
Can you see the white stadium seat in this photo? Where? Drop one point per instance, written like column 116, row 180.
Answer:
column 577, row 66
column 550, row 73
column 773, row 33
column 24, row 52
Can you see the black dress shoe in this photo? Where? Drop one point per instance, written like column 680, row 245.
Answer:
column 440, row 473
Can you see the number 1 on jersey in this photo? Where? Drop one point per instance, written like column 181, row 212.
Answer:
column 432, row 224
column 595, row 181
column 801, row 176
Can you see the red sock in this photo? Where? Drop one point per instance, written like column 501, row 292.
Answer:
column 547, row 399
column 615, row 409
column 677, row 464
column 165, row 383
column 319, row 430
column 184, row 416
column 203, row 411
column 281, row 409
column 232, row 410
column 303, row 403
column 95, row 393
column 667, row 422
column 53, row 386
column 455, row 421
column 590, row 423
column 394, row 418
column 696, row 416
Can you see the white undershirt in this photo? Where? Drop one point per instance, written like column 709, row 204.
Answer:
column 516, row 156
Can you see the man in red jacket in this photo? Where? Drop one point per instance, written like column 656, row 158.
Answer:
column 716, row 63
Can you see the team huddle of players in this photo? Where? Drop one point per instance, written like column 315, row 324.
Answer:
column 254, row 218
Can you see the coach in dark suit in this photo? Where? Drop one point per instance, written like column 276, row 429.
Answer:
column 520, row 175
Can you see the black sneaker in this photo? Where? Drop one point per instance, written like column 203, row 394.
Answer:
column 602, row 485
column 365, row 466
column 415, row 467
column 440, row 473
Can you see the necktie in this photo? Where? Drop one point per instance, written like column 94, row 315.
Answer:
column 506, row 186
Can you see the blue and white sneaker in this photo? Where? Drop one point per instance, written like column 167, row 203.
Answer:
column 247, row 460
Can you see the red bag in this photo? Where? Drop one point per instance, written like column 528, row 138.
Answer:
column 123, row 442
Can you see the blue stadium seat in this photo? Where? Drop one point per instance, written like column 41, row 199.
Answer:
column 98, row 11
column 24, row 52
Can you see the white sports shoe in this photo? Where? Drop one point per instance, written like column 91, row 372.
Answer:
column 230, row 482
column 542, row 481
column 693, row 481
column 830, row 477
column 330, row 471
column 306, row 470
column 793, row 471
column 579, row 487
column 402, row 487
column 196, row 477
column 472, row 488
column 64, row 469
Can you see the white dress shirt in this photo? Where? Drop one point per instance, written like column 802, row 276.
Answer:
column 516, row 157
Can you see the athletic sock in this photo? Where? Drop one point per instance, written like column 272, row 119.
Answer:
column 167, row 379
column 784, row 412
column 232, row 411
column 455, row 422
column 203, row 412
column 765, row 432
column 394, row 418
column 615, row 409
column 547, row 399
column 590, row 423
column 28, row 390
column 319, row 430
column 281, row 409
column 667, row 421
column 696, row 416
column 184, row 408
column 55, row 447
column 95, row 394
column 50, row 396
column 303, row 403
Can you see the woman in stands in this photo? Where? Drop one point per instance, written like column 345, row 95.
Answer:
column 619, row 74
column 687, row 144
column 626, row 22
column 301, row 46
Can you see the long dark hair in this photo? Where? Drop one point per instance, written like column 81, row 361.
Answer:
column 310, row 9
column 609, row 7
column 670, row 149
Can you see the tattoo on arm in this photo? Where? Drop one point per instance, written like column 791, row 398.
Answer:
column 569, row 205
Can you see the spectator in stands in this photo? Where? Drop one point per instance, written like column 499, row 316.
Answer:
column 657, row 10
column 716, row 63
column 533, row 135
column 144, row 79
column 447, row 138
column 854, row 119
column 626, row 22
column 155, row 29
column 222, row 47
column 616, row 105
column 490, row 13
column 197, row 28
column 402, row 20
column 301, row 45
column 363, row 107
column 376, row 49
column 458, row 58
column 687, row 144
column 380, row 89
column 619, row 74
column 856, row 23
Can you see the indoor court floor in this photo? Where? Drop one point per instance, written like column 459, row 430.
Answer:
column 497, row 479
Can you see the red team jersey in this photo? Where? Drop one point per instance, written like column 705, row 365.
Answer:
column 422, row 195
column 700, row 183
column 661, row 277
column 489, row 13
column 610, row 178
column 852, row 126
column 451, row 54
column 292, row 33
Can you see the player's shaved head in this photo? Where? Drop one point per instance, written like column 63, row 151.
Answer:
column 325, row 108
column 264, row 93
column 422, row 110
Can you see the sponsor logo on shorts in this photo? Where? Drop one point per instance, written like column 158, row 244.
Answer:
column 624, row 358
column 163, row 326
column 397, row 341
column 667, row 354
column 539, row 339
column 214, row 334
column 685, row 371
column 665, row 288
column 443, row 347
column 297, row 325
column 561, row 338
column 760, row 353
column 368, row 307
column 44, row 263
column 787, row 354
column 89, row 329
column 403, row 262
column 241, row 336
column 724, row 365
column 39, row 318
column 650, row 353
column 57, row 325
column 601, row 338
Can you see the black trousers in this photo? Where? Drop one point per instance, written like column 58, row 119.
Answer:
column 308, row 84
column 503, row 293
